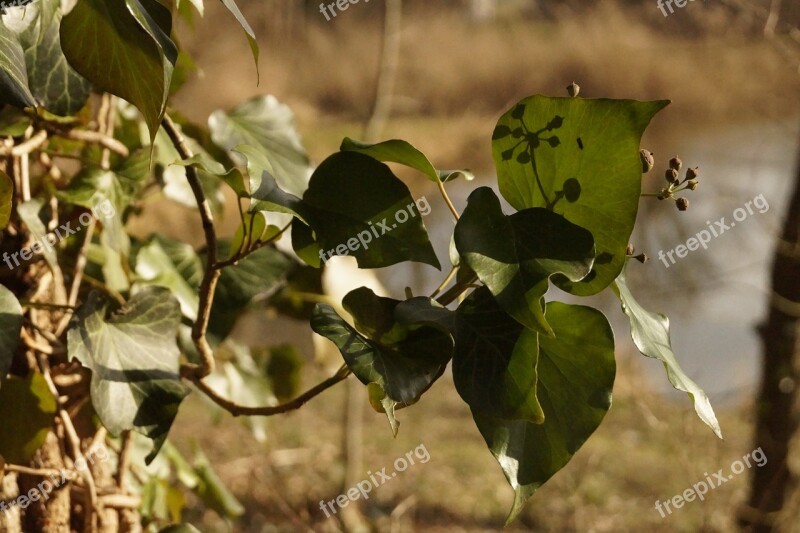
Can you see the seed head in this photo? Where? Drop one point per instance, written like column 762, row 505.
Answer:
column 692, row 173
column 682, row 203
column 647, row 160
column 675, row 163
column 672, row 175
column 573, row 89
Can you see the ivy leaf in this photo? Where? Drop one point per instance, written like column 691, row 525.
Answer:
column 6, row 199
column 136, row 58
column 267, row 126
column 402, row 152
column 14, row 88
column 52, row 81
column 174, row 265
column 514, row 256
column 261, row 272
column 576, row 375
column 578, row 158
column 27, row 409
column 251, row 36
column 399, row 364
column 10, row 327
column 650, row 332
column 355, row 203
column 494, row 364
column 134, row 359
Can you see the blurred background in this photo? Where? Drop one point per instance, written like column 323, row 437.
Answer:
column 732, row 71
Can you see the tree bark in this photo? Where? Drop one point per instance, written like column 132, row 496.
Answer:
column 776, row 414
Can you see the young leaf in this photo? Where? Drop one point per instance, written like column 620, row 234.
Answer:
column 10, row 326
column 650, row 332
column 355, row 203
column 27, row 409
column 402, row 152
column 400, row 364
column 494, row 363
column 251, row 36
column 578, row 158
column 576, row 375
column 515, row 256
column 134, row 361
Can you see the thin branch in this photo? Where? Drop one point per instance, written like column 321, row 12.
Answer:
column 77, row 277
column 240, row 410
column 40, row 472
column 211, row 275
column 26, row 147
column 100, row 138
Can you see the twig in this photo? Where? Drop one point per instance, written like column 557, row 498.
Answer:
column 211, row 275
column 41, row 472
column 240, row 410
column 77, row 277
column 26, row 147
column 100, row 138
column 124, row 459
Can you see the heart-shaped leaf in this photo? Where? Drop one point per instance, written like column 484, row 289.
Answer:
column 579, row 158
column 576, row 375
column 358, row 207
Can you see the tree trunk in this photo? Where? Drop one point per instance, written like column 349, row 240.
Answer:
column 776, row 416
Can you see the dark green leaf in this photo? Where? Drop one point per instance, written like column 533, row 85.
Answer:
column 134, row 361
column 576, row 375
column 180, row 528
column 10, row 326
column 515, row 256
column 601, row 183
column 650, row 332
column 402, row 152
column 27, row 409
column 134, row 60
column 400, row 364
column 355, row 204
column 494, row 364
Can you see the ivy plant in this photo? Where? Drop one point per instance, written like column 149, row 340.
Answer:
column 103, row 334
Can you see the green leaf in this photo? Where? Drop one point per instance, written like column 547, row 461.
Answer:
column 494, row 364
column 6, row 199
column 14, row 88
column 579, row 158
column 180, row 528
column 261, row 272
column 10, row 327
column 174, row 265
column 576, row 375
column 514, row 256
column 267, row 126
column 213, row 491
column 251, row 36
column 283, row 370
column 123, row 48
column 402, row 152
column 398, row 361
column 650, row 332
column 29, row 214
column 52, row 81
column 27, row 409
column 355, row 204
column 134, row 360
